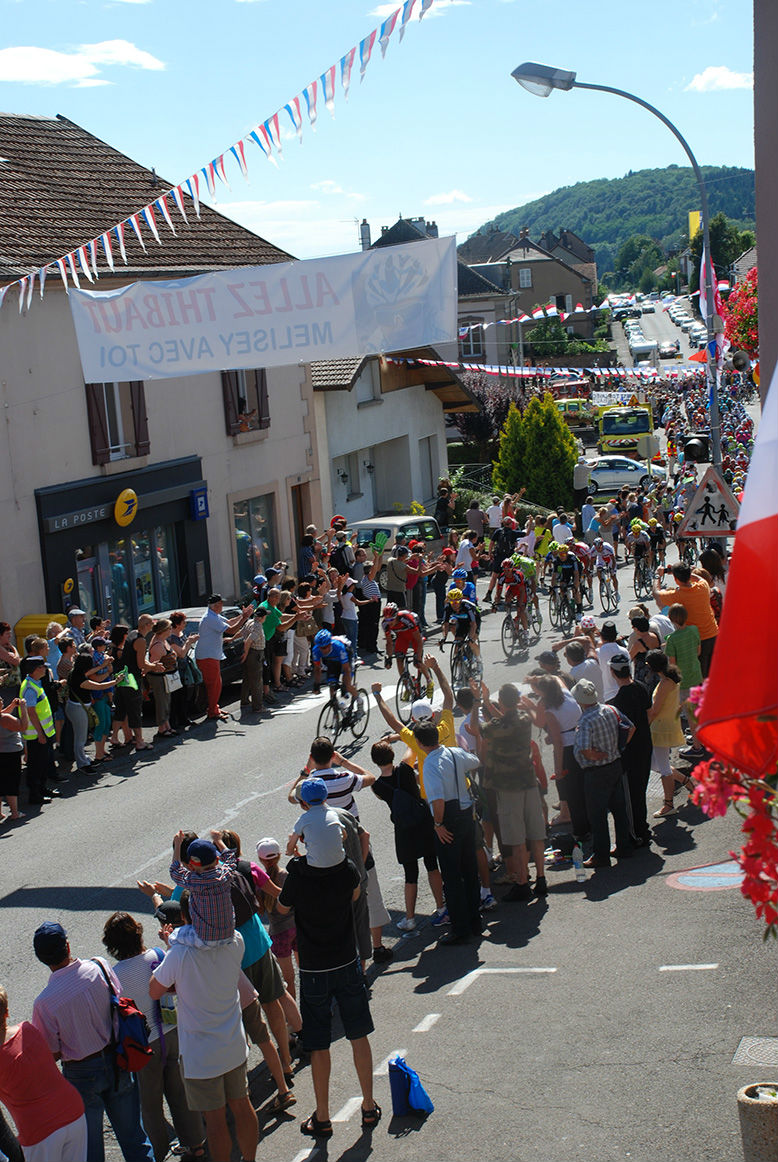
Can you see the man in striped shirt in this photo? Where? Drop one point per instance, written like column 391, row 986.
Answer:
column 343, row 779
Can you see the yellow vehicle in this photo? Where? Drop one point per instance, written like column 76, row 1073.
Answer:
column 577, row 413
column 621, row 426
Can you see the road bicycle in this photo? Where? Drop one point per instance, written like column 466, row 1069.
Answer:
column 608, row 596
column 465, row 663
column 643, row 578
column 341, row 713
column 561, row 607
column 587, row 589
column 411, row 685
column 687, row 551
column 534, row 619
column 513, row 636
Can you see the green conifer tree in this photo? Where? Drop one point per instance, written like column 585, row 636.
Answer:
column 537, row 453
column 508, row 466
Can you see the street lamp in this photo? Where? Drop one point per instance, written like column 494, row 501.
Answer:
column 541, row 80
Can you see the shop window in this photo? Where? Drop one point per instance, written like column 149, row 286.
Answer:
column 254, row 525
column 471, row 344
column 246, row 407
column 118, row 424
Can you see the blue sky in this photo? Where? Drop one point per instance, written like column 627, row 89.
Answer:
column 438, row 128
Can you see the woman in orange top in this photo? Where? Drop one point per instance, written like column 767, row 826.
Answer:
column 694, row 594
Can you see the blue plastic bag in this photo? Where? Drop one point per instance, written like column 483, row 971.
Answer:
column 408, row 1094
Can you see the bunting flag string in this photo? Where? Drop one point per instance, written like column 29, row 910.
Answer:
column 549, row 311
column 266, row 134
column 640, row 374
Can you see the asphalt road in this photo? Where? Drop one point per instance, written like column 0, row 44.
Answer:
column 658, row 326
column 601, row 1023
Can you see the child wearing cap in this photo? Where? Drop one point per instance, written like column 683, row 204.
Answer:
column 318, row 827
column 282, row 929
column 209, row 880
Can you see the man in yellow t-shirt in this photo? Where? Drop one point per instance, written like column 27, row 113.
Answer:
column 421, row 711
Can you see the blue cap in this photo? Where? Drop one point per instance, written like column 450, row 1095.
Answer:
column 201, row 853
column 313, row 791
column 50, row 942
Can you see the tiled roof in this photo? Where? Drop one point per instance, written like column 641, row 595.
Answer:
column 488, row 246
column 335, row 374
column 472, row 282
column 60, row 187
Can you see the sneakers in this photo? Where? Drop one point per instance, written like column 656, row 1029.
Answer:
column 518, row 893
column 693, row 753
column 439, row 916
column 541, row 887
column 405, row 695
column 382, row 955
column 488, row 902
column 407, row 924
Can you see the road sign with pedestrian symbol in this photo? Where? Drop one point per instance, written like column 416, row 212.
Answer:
column 712, row 511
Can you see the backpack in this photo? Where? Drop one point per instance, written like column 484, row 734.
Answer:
column 339, row 559
column 244, row 899
column 129, row 1031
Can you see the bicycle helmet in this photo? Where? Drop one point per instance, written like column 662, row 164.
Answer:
column 553, row 547
column 323, row 639
column 390, row 609
column 652, row 521
column 455, row 594
column 678, row 518
column 508, row 563
column 563, row 549
column 598, row 542
column 459, row 573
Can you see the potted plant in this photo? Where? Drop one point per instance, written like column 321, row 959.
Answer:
column 757, row 1106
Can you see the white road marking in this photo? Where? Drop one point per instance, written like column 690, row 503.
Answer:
column 426, row 1023
column 383, row 1069
column 467, row 980
column 686, row 967
column 348, row 1110
column 308, row 1153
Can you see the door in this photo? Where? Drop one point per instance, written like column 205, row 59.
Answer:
column 88, row 573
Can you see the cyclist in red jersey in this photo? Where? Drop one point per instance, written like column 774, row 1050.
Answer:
column 515, row 592
column 403, row 633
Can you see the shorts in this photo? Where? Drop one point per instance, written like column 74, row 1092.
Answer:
column 285, row 943
column 254, row 1023
column 267, row 978
column 212, row 1093
column 133, row 703
column 276, row 647
column 403, row 643
column 462, row 627
column 520, row 814
column 516, row 593
column 345, row 985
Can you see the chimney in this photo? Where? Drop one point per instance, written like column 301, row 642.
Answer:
column 524, row 233
column 364, row 234
column 432, row 229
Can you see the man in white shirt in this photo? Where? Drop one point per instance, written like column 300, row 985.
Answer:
column 213, row 1049
column 494, row 514
column 610, row 648
column 562, row 529
column 581, row 657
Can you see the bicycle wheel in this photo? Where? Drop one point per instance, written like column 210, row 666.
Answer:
column 587, row 591
column 606, row 594
column 329, row 721
column 457, row 666
column 535, row 621
column 554, row 612
column 509, row 636
column 405, row 695
column 567, row 611
column 471, row 664
column 689, row 554
column 359, row 712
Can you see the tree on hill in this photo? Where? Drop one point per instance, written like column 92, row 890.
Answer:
column 727, row 242
column 537, row 453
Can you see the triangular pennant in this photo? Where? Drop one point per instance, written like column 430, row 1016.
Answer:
column 407, row 10
column 209, row 174
column 22, row 285
column 193, row 185
column 133, row 220
column 346, row 65
column 151, row 222
column 84, row 261
column 30, row 289
column 73, row 272
column 42, row 278
column 63, row 274
column 178, row 198
column 239, row 153
column 218, row 165
column 162, row 206
column 310, row 93
column 328, row 88
column 119, row 232
column 3, row 292
column 273, row 129
column 387, row 28
column 93, row 257
column 425, row 7
column 365, row 49
column 295, row 115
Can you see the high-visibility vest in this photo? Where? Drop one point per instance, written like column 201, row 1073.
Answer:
column 43, row 710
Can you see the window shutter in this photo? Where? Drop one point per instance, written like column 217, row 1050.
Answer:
column 98, row 423
column 230, row 393
column 262, row 399
column 139, row 417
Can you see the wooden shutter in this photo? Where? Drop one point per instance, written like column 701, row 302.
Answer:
column 98, row 423
column 230, row 393
column 139, row 418
column 262, row 399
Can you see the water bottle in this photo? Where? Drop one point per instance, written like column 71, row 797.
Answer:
column 577, row 857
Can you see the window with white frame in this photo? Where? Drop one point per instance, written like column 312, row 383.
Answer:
column 525, row 277
column 471, row 341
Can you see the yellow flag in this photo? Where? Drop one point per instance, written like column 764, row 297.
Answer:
column 694, row 223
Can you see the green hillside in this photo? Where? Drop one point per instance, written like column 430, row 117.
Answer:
column 608, row 211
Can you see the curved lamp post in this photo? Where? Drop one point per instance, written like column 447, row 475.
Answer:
column 541, row 80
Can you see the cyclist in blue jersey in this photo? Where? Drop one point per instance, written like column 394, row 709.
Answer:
column 459, row 581
column 334, row 655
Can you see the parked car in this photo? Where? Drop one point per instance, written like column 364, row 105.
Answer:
column 406, row 528
column 233, row 647
column 649, row 308
column 670, row 349
column 609, row 473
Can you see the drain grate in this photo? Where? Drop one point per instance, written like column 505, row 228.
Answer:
column 756, row 1051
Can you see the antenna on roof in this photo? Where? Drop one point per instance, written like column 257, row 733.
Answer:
column 154, row 178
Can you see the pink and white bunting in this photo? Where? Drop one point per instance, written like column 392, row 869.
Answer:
column 267, row 135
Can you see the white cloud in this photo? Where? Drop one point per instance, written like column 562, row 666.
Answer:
column 447, row 199
column 718, row 77
column 32, row 65
column 327, row 187
column 384, row 10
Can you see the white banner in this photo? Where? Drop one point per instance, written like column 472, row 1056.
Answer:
column 604, row 398
column 389, row 299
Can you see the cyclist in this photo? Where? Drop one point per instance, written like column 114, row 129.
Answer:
column 463, row 618
column 583, row 553
column 459, row 581
column 565, row 573
column 605, row 560
column 334, row 654
column 638, row 542
column 529, row 569
column 402, row 632
column 515, row 591
column 658, row 540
